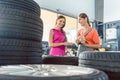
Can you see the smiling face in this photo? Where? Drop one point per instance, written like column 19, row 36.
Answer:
column 82, row 21
column 60, row 22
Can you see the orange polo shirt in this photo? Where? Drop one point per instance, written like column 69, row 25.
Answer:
column 92, row 37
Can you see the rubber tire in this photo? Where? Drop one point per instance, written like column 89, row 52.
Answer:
column 14, row 24
column 108, row 62
column 94, row 75
column 23, row 5
column 67, row 60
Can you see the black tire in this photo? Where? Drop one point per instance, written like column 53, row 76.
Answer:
column 12, row 60
column 15, row 12
column 13, row 51
column 108, row 62
column 67, row 60
column 19, row 43
column 55, row 72
column 23, row 5
column 18, row 26
column 21, row 32
column 12, row 54
column 19, row 18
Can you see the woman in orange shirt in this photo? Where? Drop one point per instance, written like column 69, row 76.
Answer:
column 87, row 38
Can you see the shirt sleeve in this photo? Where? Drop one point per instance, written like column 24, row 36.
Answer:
column 96, row 38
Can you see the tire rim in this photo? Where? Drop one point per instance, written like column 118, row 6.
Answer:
column 45, row 70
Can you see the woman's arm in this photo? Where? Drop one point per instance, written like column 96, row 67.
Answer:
column 52, row 44
column 77, row 40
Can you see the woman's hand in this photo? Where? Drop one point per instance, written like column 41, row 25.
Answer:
column 85, row 44
column 81, row 40
column 77, row 41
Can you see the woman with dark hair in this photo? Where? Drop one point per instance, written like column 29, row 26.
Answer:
column 87, row 38
column 57, row 38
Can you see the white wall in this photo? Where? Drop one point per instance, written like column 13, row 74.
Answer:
column 111, row 10
column 70, row 7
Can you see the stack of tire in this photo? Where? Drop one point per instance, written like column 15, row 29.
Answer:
column 108, row 62
column 20, row 32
